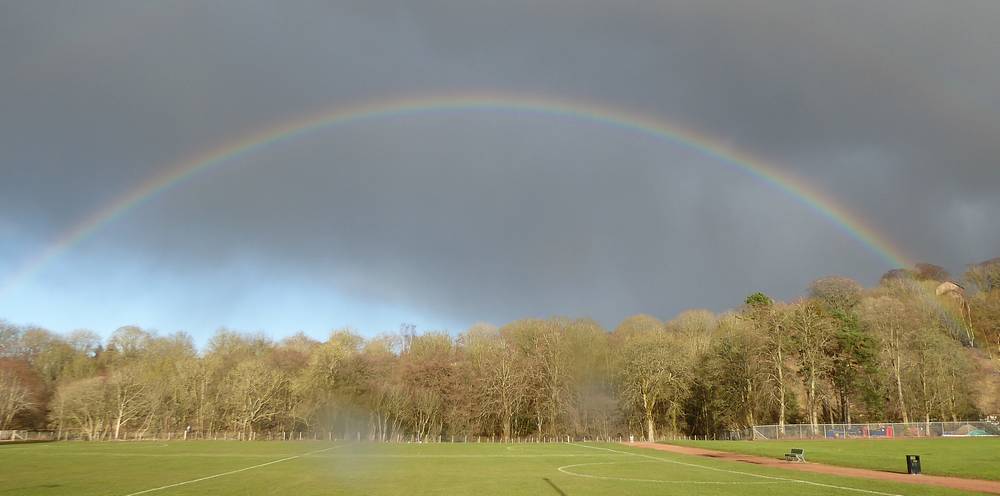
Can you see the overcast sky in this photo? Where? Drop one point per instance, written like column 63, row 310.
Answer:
column 448, row 218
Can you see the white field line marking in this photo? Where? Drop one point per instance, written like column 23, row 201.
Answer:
column 336, row 455
column 553, row 455
column 192, row 481
column 172, row 455
column 811, row 483
column 565, row 470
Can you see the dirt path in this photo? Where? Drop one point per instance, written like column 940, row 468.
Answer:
column 983, row 486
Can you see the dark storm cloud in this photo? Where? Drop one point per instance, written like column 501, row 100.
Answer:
column 890, row 107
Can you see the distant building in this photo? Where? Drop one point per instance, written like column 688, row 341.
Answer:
column 956, row 292
column 952, row 289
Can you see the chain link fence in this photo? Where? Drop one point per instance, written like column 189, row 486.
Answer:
column 872, row 430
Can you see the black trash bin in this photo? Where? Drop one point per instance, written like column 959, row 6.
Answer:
column 913, row 464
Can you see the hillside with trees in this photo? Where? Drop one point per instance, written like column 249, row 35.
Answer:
column 909, row 349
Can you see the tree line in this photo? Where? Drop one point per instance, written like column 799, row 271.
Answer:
column 913, row 348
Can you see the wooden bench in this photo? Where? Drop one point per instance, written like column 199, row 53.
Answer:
column 797, row 455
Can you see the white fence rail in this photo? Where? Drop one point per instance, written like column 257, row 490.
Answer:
column 876, row 430
column 25, row 436
column 75, row 435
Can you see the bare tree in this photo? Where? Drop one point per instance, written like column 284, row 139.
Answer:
column 769, row 321
column 887, row 317
column 83, row 405
column 652, row 372
column 740, row 378
column 128, row 397
column 985, row 275
column 812, row 336
column 15, row 398
column 500, row 382
column 256, row 394
column 930, row 272
column 838, row 294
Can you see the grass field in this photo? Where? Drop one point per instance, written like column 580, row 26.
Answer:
column 962, row 457
column 314, row 468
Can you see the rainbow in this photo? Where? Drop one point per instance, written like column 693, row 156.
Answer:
column 185, row 170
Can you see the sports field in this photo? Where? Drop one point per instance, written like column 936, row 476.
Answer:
column 314, row 468
column 973, row 457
